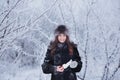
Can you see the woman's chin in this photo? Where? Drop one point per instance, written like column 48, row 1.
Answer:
column 61, row 41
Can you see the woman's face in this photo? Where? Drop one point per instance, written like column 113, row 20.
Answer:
column 62, row 38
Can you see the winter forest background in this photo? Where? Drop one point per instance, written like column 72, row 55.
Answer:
column 26, row 28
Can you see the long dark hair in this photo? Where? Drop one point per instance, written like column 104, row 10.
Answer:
column 54, row 43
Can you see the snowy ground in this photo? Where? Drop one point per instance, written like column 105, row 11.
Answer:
column 31, row 74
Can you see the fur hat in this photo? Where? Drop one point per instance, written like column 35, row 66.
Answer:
column 61, row 29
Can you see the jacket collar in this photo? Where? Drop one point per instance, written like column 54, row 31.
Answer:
column 62, row 45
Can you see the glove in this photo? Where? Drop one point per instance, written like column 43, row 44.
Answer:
column 73, row 64
column 67, row 64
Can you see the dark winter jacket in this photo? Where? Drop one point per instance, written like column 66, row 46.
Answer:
column 60, row 57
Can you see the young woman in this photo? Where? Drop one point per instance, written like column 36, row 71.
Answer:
column 62, row 58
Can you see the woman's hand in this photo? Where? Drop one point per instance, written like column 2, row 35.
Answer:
column 60, row 68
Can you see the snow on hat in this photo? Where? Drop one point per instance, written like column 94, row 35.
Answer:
column 61, row 29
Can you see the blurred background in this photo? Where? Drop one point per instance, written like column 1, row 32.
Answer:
column 27, row 27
